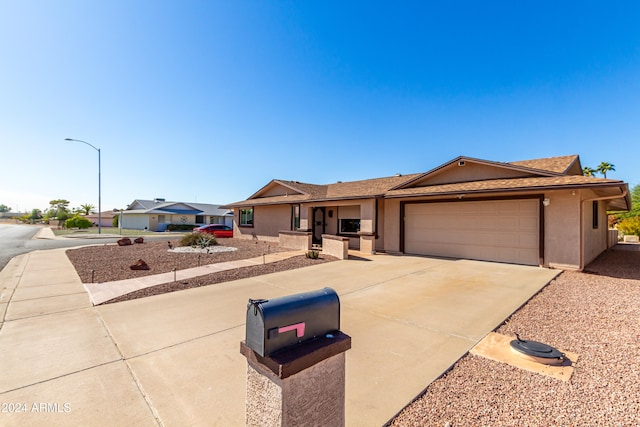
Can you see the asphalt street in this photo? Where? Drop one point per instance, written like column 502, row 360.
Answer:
column 18, row 239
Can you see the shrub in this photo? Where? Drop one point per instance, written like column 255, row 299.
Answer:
column 180, row 227
column 312, row 254
column 630, row 225
column 77, row 222
column 201, row 240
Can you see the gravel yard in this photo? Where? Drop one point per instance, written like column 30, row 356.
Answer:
column 109, row 263
column 596, row 314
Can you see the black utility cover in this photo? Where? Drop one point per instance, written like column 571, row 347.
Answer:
column 537, row 349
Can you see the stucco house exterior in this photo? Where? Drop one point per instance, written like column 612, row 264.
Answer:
column 533, row 212
column 157, row 214
column 105, row 218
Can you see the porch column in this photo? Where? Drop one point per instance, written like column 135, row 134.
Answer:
column 367, row 243
column 367, row 226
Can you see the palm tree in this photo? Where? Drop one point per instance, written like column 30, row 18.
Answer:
column 604, row 167
column 87, row 208
column 587, row 171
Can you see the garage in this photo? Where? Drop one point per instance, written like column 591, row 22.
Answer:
column 495, row 230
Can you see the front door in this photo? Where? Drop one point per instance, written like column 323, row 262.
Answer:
column 318, row 225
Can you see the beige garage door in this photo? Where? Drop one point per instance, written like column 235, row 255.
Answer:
column 502, row 230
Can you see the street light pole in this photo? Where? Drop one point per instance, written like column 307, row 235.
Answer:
column 99, row 182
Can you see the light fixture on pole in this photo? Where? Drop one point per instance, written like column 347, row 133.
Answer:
column 99, row 190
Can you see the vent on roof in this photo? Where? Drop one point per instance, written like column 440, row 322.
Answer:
column 158, row 200
column 398, row 174
column 461, row 163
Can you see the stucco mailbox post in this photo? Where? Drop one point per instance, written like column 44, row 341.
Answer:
column 295, row 360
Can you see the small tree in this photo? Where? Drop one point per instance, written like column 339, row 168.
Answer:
column 5, row 208
column 587, row 171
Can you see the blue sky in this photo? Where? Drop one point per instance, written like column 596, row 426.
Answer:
column 208, row 101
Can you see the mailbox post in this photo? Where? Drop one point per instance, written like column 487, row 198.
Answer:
column 295, row 360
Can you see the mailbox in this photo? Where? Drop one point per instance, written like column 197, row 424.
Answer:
column 279, row 323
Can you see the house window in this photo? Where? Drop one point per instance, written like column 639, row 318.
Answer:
column 349, row 225
column 199, row 219
column 246, row 217
column 295, row 217
column 594, row 208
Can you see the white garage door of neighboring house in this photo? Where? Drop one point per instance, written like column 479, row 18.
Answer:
column 497, row 230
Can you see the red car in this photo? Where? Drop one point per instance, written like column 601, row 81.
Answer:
column 218, row 230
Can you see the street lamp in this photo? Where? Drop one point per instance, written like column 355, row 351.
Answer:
column 99, row 192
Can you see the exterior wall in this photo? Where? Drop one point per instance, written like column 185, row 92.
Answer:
column 562, row 238
column 335, row 246
column 595, row 239
column 391, row 226
column 379, row 242
column 331, row 220
column 295, row 239
column 268, row 221
column 153, row 222
column 156, row 222
column 469, row 172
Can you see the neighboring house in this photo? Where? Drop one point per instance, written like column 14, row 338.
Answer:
column 157, row 214
column 106, row 218
column 535, row 212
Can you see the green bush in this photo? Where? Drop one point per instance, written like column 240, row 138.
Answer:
column 200, row 240
column 312, row 254
column 180, row 227
column 630, row 225
column 115, row 220
column 77, row 222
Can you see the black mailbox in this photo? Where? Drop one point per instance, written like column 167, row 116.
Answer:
column 279, row 323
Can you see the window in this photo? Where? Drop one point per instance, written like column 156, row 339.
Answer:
column 199, row 219
column 246, row 217
column 295, row 217
column 349, row 225
column 594, row 208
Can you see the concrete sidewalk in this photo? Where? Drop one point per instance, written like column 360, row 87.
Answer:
column 174, row 359
column 105, row 291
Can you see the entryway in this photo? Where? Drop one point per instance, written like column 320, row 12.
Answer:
column 319, row 226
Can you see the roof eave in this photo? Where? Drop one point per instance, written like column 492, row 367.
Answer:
column 257, row 202
column 516, row 189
